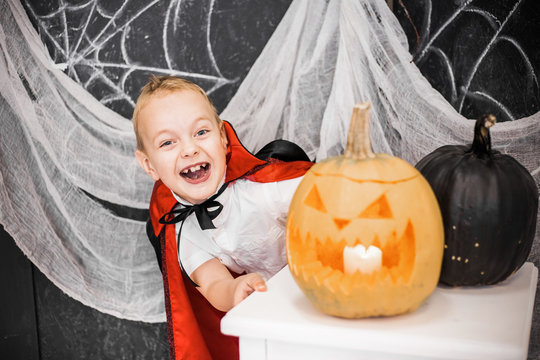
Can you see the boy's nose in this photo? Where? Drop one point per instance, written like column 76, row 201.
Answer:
column 190, row 149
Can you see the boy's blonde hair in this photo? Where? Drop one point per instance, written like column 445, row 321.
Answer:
column 157, row 85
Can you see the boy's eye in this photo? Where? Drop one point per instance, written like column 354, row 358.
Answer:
column 165, row 143
column 201, row 132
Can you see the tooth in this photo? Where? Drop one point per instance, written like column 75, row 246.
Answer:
column 193, row 168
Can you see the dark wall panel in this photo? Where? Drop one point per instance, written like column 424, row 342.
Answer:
column 70, row 330
column 18, row 327
column 39, row 321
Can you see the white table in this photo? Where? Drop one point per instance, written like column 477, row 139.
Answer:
column 454, row 323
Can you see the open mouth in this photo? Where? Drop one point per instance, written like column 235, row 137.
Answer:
column 195, row 172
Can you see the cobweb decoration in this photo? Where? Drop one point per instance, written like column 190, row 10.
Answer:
column 482, row 56
column 112, row 47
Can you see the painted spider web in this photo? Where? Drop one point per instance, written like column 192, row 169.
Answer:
column 482, row 56
column 112, row 47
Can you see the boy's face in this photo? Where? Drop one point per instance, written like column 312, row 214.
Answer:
column 184, row 145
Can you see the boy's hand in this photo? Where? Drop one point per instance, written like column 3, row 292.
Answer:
column 220, row 288
column 245, row 285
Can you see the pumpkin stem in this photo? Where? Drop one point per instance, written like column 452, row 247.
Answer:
column 358, row 142
column 482, row 139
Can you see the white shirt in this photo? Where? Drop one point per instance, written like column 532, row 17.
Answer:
column 250, row 230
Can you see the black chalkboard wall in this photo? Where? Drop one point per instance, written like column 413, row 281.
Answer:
column 112, row 47
column 483, row 56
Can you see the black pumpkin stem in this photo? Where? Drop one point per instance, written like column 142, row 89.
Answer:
column 482, row 138
column 358, row 142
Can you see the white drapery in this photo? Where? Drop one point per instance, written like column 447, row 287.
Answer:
column 58, row 145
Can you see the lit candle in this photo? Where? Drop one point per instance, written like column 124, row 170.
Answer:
column 357, row 258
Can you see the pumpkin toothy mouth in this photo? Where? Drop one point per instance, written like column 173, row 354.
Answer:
column 323, row 259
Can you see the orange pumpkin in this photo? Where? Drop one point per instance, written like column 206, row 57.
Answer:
column 369, row 199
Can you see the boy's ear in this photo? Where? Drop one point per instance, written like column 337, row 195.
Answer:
column 146, row 165
column 224, row 138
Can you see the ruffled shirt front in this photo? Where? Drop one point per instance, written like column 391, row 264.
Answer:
column 250, row 230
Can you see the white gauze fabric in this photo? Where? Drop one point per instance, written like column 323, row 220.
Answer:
column 56, row 141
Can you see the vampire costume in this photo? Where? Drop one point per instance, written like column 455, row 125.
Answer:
column 193, row 324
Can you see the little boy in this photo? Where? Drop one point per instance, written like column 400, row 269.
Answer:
column 235, row 239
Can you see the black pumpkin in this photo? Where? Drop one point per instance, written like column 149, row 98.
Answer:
column 489, row 204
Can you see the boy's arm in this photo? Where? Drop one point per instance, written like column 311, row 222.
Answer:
column 220, row 288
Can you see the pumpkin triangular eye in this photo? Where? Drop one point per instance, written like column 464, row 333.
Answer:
column 379, row 209
column 313, row 199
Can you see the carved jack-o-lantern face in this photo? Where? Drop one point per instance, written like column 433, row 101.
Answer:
column 365, row 219
column 383, row 202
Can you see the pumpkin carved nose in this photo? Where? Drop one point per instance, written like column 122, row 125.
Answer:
column 341, row 223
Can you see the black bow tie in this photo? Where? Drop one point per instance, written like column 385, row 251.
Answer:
column 202, row 211
column 204, row 217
